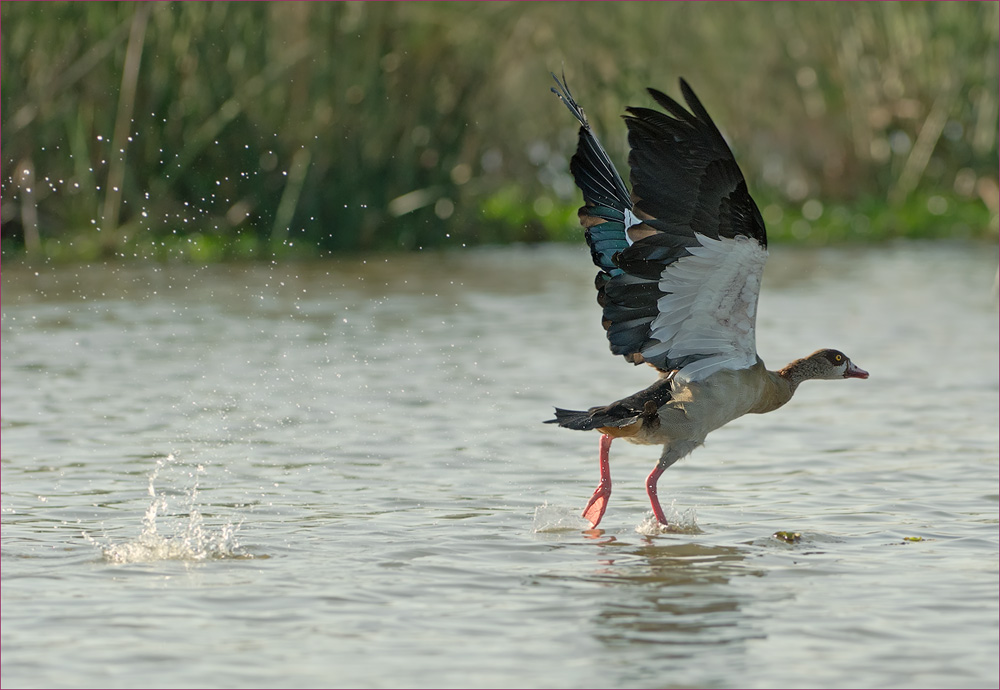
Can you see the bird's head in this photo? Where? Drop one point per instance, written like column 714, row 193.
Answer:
column 833, row 364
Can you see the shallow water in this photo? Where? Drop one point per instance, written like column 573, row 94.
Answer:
column 335, row 475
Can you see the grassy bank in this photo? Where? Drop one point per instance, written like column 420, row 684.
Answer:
column 209, row 131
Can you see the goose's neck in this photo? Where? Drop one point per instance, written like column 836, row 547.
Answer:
column 777, row 389
column 798, row 371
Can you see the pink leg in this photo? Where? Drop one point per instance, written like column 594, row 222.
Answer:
column 599, row 501
column 651, row 490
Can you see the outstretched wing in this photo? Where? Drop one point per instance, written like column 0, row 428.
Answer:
column 607, row 204
column 681, row 291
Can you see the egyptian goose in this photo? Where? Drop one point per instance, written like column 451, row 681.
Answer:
column 680, row 261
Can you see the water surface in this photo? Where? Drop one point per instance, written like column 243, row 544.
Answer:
column 335, row 474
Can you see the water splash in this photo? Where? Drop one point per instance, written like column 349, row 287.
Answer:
column 187, row 537
column 560, row 519
column 556, row 519
column 680, row 522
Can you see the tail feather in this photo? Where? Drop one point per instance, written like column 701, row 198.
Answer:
column 643, row 405
column 594, row 418
column 570, row 419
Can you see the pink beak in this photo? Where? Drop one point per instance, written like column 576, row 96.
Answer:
column 854, row 372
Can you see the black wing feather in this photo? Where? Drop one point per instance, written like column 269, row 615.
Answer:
column 684, row 174
column 684, row 181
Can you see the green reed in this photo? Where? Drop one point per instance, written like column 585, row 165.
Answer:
column 228, row 130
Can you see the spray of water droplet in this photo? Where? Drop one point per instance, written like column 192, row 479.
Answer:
column 680, row 522
column 185, row 536
column 557, row 519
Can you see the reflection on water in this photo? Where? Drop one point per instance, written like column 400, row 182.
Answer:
column 681, row 596
column 336, row 474
column 680, row 601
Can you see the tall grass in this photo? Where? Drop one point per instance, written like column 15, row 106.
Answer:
column 221, row 129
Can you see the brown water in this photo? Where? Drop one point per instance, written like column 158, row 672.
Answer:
column 336, row 475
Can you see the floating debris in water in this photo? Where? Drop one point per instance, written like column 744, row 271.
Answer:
column 788, row 537
column 914, row 539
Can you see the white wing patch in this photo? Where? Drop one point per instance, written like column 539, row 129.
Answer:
column 630, row 222
column 711, row 307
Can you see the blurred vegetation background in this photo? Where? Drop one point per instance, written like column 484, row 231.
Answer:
column 215, row 130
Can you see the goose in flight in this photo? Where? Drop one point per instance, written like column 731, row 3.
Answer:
column 680, row 261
